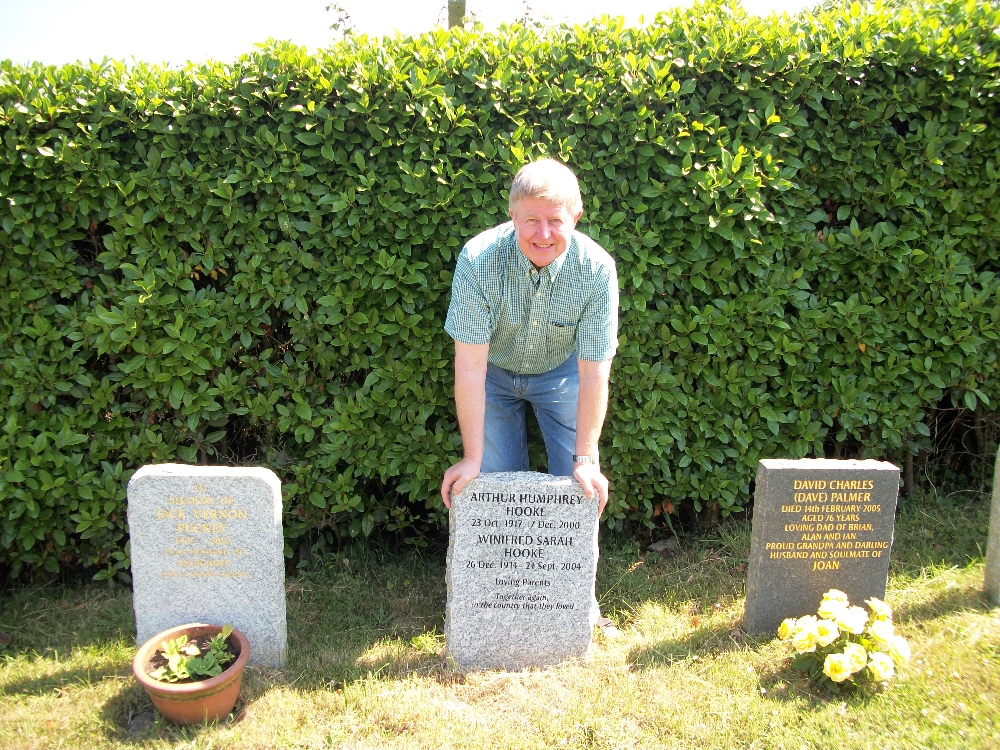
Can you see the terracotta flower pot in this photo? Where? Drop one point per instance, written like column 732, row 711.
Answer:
column 193, row 702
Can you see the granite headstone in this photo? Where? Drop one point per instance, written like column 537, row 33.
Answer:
column 991, row 578
column 818, row 524
column 207, row 546
column 522, row 559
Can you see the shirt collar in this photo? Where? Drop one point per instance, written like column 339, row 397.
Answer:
column 525, row 266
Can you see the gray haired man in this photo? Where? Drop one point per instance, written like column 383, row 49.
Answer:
column 534, row 316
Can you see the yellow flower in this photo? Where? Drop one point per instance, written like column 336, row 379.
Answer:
column 834, row 601
column 899, row 649
column 804, row 637
column 826, row 632
column 881, row 630
column 830, row 610
column 857, row 656
column 837, row 667
column 881, row 666
column 786, row 629
column 851, row 619
column 882, row 610
column 835, row 595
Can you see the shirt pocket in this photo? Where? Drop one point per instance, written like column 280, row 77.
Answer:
column 560, row 336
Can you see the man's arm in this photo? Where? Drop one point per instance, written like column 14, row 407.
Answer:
column 591, row 408
column 470, row 404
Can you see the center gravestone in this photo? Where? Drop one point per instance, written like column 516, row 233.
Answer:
column 207, row 546
column 522, row 559
column 818, row 524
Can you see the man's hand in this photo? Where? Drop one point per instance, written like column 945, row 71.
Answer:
column 460, row 475
column 470, row 406
column 592, row 480
column 592, row 405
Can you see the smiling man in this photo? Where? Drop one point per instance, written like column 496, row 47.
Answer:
column 534, row 316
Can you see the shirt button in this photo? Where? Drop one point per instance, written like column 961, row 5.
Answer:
column 534, row 322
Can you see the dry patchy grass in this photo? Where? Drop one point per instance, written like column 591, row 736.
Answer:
column 365, row 667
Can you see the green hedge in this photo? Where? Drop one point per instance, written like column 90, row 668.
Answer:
column 252, row 261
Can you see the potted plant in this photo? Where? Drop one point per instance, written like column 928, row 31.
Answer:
column 193, row 672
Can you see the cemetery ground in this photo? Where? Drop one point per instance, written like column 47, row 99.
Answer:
column 365, row 668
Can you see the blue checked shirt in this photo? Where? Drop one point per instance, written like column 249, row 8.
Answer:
column 534, row 319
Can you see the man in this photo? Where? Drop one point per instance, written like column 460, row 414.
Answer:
column 534, row 316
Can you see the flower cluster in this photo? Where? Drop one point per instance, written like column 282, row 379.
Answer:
column 841, row 644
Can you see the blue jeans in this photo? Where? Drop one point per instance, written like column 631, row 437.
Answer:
column 553, row 396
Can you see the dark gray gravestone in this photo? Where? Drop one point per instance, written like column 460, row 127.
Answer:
column 991, row 579
column 207, row 547
column 522, row 557
column 818, row 524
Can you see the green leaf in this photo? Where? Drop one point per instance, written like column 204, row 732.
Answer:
column 303, row 411
column 970, row 400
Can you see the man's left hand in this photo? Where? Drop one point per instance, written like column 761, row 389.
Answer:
column 592, row 480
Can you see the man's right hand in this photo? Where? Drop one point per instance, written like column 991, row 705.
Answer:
column 470, row 407
column 457, row 477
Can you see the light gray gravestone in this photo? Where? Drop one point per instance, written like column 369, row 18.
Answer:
column 207, row 546
column 818, row 524
column 991, row 580
column 522, row 558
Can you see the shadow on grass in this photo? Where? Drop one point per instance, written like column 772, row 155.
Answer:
column 934, row 530
column 45, row 620
column 704, row 640
column 366, row 615
column 788, row 685
column 947, row 601
column 131, row 720
column 58, row 681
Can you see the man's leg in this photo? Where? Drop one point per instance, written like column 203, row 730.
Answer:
column 553, row 395
column 505, row 432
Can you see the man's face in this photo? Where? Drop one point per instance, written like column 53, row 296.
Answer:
column 543, row 229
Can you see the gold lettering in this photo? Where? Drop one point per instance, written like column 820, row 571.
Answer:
column 852, row 484
column 226, row 513
column 201, row 528
column 809, row 484
column 204, row 563
column 824, row 565
column 191, row 500
column 871, row 545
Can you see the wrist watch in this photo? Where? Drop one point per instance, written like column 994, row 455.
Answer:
column 585, row 459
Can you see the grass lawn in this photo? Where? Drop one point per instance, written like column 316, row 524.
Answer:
column 365, row 670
